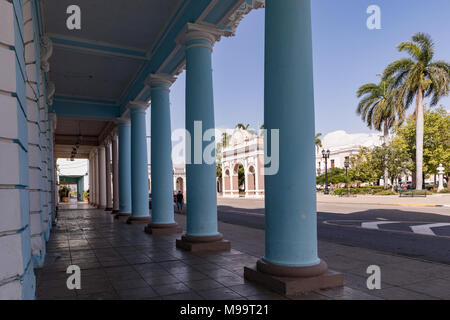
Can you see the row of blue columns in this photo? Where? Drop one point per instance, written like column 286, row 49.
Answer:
column 290, row 202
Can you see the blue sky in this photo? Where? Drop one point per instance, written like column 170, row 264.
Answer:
column 346, row 55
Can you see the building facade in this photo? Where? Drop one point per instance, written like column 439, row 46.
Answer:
column 245, row 151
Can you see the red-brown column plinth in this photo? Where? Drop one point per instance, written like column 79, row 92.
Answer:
column 162, row 229
column 115, row 212
column 122, row 216
column 207, row 243
column 139, row 220
column 292, row 280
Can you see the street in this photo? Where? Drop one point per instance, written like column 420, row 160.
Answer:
column 414, row 231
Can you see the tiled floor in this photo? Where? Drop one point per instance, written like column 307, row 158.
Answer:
column 120, row 261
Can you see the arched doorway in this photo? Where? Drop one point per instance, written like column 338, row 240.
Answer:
column 239, row 183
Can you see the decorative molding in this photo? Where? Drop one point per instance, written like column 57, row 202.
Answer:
column 159, row 78
column 122, row 120
column 235, row 16
column 137, row 105
column 193, row 31
column 46, row 48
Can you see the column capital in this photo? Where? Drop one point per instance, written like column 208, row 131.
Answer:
column 107, row 141
column 155, row 80
column 137, row 106
column 122, row 121
column 195, row 31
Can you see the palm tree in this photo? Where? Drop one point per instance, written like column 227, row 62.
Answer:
column 419, row 77
column 380, row 110
column 242, row 126
column 318, row 141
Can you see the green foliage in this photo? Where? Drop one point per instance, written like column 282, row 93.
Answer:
column 335, row 176
column 436, row 140
column 392, row 157
column 419, row 72
column 378, row 106
column 318, row 141
column 218, row 171
column 363, row 168
column 64, row 191
column 378, row 190
column 241, row 176
column 242, row 126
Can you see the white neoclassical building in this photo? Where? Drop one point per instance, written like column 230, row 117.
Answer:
column 341, row 145
column 247, row 150
column 244, row 150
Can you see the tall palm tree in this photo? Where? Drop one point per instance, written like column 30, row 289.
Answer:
column 419, row 77
column 380, row 110
column 318, row 141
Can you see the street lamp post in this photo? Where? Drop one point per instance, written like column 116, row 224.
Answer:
column 325, row 156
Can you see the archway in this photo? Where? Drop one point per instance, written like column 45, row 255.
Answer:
column 239, row 183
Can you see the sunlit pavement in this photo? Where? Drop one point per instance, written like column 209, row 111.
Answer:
column 120, row 261
column 401, row 230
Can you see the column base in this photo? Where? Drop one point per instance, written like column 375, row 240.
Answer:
column 139, row 220
column 206, row 243
column 115, row 212
column 162, row 229
column 293, row 280
column 108, row 209
column 122, row 215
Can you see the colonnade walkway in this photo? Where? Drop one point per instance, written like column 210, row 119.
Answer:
column 119, row 261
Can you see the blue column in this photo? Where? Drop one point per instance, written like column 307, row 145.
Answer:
column 124, row 128
column 200, row 176
column 290, row 201
column 80, row 188
column 139, row 164
column 161, row 151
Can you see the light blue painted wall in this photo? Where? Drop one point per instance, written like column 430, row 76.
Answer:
column 28, row 278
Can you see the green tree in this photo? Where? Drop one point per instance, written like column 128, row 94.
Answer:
column 419, row 77
column 380, row 110
column 436, row 141
column 363, row 168
column 391, row 156
column 335, row 176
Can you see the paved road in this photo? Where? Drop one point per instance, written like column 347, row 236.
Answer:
column 421, row 232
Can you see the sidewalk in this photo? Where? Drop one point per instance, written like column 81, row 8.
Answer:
column 401, row 277
column 435, row 200
column 120, row 261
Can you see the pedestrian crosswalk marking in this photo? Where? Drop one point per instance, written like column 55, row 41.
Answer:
column 426, row 228
column 374, row 225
